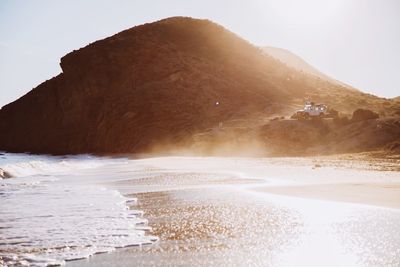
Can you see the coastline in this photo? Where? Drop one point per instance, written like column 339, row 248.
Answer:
column 212, row 220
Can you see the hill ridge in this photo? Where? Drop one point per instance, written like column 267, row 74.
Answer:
column 157, row 85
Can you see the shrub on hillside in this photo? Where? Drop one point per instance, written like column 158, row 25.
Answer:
column 363, row 114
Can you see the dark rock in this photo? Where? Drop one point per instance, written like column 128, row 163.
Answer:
column 4, row 174
column 393, row 147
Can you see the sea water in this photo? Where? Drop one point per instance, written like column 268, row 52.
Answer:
column 54, row 209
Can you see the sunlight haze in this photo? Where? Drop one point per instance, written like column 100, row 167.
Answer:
column 356, row 42
column 199, row 133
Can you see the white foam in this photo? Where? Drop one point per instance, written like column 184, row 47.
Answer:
column 21, row 165
column 50, row 215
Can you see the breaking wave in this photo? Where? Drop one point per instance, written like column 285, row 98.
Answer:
column 53, row 210
column 22, row 165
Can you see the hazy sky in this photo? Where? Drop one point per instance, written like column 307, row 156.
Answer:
column 355, row 41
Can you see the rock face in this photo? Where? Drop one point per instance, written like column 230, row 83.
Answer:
column 156, row 86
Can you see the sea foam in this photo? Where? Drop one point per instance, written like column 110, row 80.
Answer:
column 53, row 211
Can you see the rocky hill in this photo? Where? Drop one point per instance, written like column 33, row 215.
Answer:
column 162, row 85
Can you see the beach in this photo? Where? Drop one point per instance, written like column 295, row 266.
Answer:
column 200, row 211
column 263, row 212
column 377, row 194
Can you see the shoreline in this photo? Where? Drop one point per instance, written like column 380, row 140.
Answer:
column 374, row 156
column 203, row 219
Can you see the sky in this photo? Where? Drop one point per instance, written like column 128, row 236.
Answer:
column 354, row 41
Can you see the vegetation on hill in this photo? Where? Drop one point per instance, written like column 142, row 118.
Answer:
column 162, row 85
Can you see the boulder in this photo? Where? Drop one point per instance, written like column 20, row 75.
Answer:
column 4, row 174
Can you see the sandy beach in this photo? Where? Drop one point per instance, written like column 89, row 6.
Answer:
column 378, row 194
column 264, row 212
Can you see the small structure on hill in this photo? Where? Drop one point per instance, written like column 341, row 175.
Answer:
column 311, row 110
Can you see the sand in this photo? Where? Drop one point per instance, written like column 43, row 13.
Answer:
column 380, row 194
column 208, row 220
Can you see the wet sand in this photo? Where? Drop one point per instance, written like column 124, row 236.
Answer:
column 216, row 227
column 383, row 194
column 216, row 220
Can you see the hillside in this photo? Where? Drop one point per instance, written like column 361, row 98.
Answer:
column 294, row 61
column 161, row 85
column 327, row 87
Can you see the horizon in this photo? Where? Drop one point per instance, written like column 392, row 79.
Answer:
column 35, row 35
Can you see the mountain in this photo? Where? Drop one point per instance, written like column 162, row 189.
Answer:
column 294, row 61
column 161, row 85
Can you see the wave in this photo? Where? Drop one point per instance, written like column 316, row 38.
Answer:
column 22, row 165
column 52, row 212
column 66, row 222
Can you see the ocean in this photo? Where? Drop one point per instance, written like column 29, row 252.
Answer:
column 56, row 209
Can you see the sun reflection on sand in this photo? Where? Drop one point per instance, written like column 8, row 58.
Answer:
column 340, row 234
column 318, row 244
column 206, row 212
